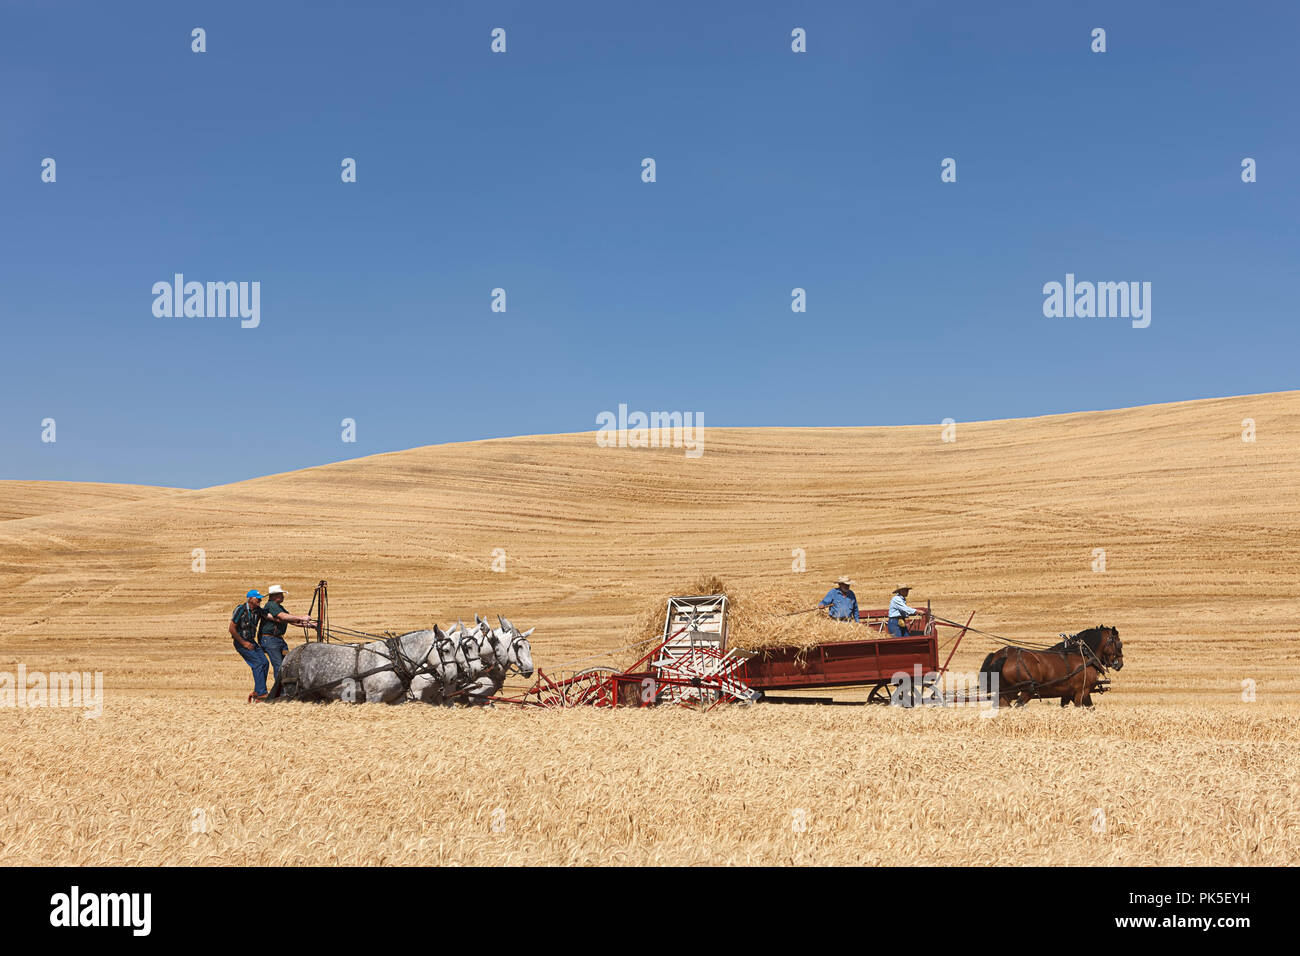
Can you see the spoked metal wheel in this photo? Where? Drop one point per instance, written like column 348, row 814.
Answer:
column 907, row 695
column 932, row 694
column 546, row 692
column 550, row 698
column 879, row 694
column 590, row 688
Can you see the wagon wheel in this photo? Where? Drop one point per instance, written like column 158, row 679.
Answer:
column 590, row 688
column 908, row 696
column 548, row 697
column 547, row 693
column 932, row 692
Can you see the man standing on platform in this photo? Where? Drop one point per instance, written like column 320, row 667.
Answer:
column 899, row 612
column 841, row 600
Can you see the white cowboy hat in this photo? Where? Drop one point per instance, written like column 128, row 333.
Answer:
column 844, row 579
column 275, row 589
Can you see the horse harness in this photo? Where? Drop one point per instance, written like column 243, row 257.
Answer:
column 405, row 668
column 1070, row 643
column 503, row 659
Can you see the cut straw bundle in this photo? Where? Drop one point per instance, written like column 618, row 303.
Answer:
column 758, row 616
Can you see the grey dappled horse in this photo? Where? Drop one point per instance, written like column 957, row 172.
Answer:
column 431, row 664
column 502, row 650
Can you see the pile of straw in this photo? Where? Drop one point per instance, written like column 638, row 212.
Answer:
column 758, row 616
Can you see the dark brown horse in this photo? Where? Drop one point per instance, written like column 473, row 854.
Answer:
column 1070, row 670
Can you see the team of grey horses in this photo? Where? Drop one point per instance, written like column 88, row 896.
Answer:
column 461, row 665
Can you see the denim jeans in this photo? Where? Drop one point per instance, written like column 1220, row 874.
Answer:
column 895, row 627
column 255, row 658
column 276, row 648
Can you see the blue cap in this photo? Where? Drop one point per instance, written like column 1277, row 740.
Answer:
column 253, row 594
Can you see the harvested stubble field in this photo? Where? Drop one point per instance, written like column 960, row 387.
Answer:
column 1201, row 533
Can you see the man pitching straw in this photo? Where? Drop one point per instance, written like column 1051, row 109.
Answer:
column 842, row 601
column 899, row 612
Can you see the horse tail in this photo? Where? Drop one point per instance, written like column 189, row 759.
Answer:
column 989, row 667
column 993, row 665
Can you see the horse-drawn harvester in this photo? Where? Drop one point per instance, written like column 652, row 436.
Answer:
column 690, row 663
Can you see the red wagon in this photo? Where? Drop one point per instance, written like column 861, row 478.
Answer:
column 871, row 662
column 692, row 665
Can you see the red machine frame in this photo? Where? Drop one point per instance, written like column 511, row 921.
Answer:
column 730, row 675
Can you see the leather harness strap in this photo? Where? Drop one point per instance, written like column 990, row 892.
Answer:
column 403, row 667
column 1084, row 652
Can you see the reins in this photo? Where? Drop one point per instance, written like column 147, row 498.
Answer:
column 1072, row 643
column 1004, row 641
column 404, row 667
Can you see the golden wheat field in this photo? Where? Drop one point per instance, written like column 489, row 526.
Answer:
column 371, row 785
column 1191, row 759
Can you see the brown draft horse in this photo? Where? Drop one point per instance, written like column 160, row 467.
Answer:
column 1069, row 670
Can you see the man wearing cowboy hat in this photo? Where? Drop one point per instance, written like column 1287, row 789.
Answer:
column 899, row 611
column 274, row 623
column 843, row 602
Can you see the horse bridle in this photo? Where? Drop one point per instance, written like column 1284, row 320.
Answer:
column 405, row 668
column 1107, row 642
column 437, row 645
column 464, row 642
column 467, row 640
column 511, row 647
column 486, row 630
column 1085, row 653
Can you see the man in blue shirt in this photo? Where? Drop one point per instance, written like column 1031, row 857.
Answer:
column 243, row 632
column 842, row 601
column 899, row 611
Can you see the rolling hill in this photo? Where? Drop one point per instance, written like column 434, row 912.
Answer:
column 26, row 499
column 1200, row 531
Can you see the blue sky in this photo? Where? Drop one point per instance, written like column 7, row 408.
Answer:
column 522, row 170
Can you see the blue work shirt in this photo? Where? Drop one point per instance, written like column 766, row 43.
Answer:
column 843, row 606
column 898, row 607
